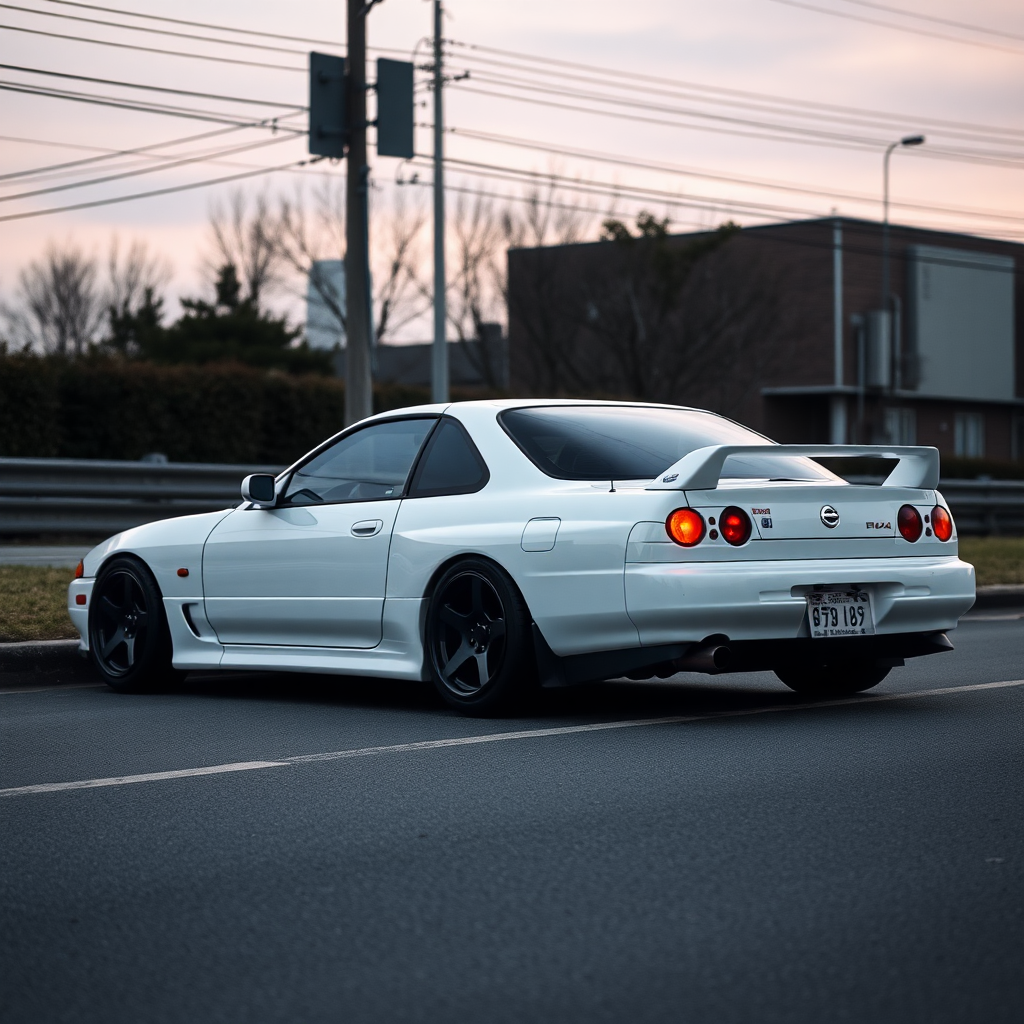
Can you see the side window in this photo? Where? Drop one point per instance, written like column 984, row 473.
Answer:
column 450, row 464
column 372, row 463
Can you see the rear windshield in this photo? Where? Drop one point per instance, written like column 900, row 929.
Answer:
column 638, row 443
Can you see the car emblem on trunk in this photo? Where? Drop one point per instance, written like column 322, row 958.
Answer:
column 829, row 516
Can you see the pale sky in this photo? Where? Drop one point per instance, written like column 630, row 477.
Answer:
column 769, row 52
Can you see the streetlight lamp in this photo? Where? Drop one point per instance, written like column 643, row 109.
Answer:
column 907, row 140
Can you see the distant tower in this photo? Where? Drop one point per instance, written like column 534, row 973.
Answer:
column 325, row 298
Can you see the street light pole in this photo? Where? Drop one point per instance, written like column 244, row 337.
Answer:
column 907, row 140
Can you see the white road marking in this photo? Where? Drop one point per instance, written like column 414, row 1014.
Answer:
column 499, row 737
column 127, row 780
column 62, row 686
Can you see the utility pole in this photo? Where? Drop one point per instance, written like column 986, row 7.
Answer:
column 358, row 385
column 439, row 360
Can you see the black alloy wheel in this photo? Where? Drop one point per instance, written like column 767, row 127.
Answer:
column 129, row 641
column 840, row 679
column 479, row 645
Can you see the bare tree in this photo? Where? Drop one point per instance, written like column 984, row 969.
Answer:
column 544, row 308
column 245, row 236
column 476, row 288
column 135, row 280
column 59, row 306
column 308, row 233
column 130, row 275
column 481, row 233
column 651, row 317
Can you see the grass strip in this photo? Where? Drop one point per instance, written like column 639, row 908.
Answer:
column 33, row 603
column 996, row 559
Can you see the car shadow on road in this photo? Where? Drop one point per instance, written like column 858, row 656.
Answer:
column 683, row 694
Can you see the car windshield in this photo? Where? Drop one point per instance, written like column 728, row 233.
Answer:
column 574, row 442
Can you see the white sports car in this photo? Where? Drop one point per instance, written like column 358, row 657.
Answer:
column 495, row 546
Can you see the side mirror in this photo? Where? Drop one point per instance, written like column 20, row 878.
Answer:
column 259, row 489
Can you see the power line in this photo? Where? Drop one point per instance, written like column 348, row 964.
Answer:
column 776, row 105
column 938, row 21
column 150, row 88
column 832, row 140
column 503, row 80
column 152, row 31
column 338, row 44
column 200, row 24
column 609, row 158
column 612, row 190
column 901, row 28
column 634, row 76
column 146, row 108
column 825, row 246
column 166, row 166
column 152, row 49
column 622, row 116
column 106, row 154
column 617, row 191
column 160, row 191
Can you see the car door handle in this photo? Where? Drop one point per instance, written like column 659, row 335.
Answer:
column 367, row 528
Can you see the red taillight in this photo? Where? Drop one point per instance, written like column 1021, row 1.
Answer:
column 685, row 526
column 80, row 570
column 942, row 523
column 735, row 525
column 910, row 523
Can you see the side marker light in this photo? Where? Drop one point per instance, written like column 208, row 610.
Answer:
column 79, row 598
column 183, row 573
column 80, row 570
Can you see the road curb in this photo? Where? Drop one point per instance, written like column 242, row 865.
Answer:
column 999, row 596
column 43, row 663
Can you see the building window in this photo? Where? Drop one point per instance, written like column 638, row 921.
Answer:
column 969, row 434
column 901, row 426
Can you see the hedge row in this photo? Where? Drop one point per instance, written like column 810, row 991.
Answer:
column 112, row 409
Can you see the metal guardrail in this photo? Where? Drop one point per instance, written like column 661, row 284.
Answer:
column 85, row 496
column 986, row 507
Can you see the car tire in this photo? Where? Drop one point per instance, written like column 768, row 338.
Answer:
column 832, row 680
column 478, row 639
column 129, row 642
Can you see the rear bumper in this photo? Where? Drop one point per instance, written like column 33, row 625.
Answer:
column 685, row 602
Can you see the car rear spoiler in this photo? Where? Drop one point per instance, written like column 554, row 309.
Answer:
column 701, row 469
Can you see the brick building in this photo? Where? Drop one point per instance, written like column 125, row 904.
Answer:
column 784, row 328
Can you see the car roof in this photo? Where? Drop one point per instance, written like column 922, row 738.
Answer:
column 500, row 404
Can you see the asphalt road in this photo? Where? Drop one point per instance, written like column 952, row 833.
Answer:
column 747, row 858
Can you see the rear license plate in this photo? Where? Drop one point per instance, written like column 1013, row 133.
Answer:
column 840, row 613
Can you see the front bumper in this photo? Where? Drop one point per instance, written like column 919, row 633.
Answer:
column 79, row 609
column 685, row 602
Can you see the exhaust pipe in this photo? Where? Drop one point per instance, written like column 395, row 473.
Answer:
column 709, row 658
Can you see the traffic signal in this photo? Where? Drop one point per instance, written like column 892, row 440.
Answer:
column 328, row 120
